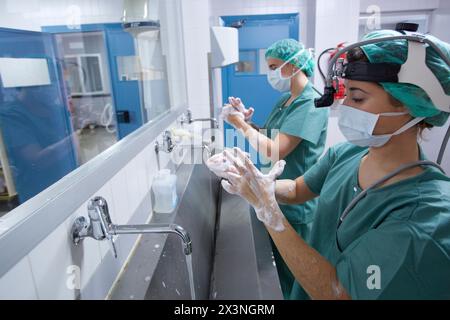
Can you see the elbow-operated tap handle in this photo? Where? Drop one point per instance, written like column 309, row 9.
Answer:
column 80, row 230
column 112, row 244
column 102, row 226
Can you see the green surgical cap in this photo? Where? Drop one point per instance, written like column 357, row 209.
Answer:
column 286, row 49
column 413, row 97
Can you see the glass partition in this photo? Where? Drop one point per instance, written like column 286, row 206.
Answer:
column 73, row 82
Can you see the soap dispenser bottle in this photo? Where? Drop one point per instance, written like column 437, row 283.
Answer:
column 165, row 191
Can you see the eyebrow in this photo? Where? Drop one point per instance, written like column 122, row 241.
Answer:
column 356, row 89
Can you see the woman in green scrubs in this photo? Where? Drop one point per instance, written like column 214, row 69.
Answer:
column 395, row 243
column 295, row 131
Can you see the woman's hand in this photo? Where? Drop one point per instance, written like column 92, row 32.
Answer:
column 257, row 188
column 237, row 104
column 235, row 112
column 232, row 116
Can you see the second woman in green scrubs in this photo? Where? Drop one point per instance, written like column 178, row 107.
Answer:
column 296, row 131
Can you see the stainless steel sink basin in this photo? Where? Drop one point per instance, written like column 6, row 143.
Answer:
column 231, row 257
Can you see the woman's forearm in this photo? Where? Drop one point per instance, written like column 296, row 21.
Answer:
column 315, row 274
column 258, row 141
column 293, row 191
column 285, row 192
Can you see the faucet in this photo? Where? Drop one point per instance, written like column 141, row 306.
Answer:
column 167, row 145
column 208, row 149
column 100, row 227
column 187, row 117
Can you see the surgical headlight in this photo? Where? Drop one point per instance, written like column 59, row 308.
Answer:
column 413, row 71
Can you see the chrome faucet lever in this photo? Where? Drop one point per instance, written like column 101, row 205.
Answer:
column 101, row 221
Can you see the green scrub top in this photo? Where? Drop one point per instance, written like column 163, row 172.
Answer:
column 301, row 119
column 395, row 242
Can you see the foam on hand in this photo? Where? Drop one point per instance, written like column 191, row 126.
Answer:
column 220, row 165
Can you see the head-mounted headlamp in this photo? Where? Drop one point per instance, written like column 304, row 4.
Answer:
column 413, row 71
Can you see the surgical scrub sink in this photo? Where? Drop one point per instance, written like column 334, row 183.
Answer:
column 231, row 251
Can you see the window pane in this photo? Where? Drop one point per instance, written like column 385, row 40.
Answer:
column 263, row 68
column 247, row 62
column 93, row 80
column 83, row 83
column 73, row 75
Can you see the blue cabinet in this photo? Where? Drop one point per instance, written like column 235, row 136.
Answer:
column 34, row 118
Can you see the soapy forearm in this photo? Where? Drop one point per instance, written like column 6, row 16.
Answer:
column 264, row 145
column 285, row 192
column 293, row 191
column 316, row 275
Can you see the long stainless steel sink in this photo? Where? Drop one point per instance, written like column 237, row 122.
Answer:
column 231, row 258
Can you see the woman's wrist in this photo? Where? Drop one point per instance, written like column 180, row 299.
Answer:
column 240, row 124
column 271, row 215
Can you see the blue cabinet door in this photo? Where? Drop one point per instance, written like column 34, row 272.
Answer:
column 34, row 119
column 127, row 99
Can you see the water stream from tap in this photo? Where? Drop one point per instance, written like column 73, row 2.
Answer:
column 191, row 275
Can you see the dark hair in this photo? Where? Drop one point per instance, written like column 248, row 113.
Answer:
column 357, row 54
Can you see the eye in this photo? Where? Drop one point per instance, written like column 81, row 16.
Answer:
column 355, row 100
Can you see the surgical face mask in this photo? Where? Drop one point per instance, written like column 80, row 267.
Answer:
column 276, row 79
column 357, row 126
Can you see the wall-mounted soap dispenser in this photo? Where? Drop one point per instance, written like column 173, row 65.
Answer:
column 165, row 191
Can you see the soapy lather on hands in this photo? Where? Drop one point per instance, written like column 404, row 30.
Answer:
column 245, row 180
column 235, row 107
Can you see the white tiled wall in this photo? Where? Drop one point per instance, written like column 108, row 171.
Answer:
column 32, row 14
column 18, row 282
column 197, row 46
column 400, row 5
column 48, row 270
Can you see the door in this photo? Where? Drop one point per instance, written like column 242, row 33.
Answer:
column 247, row 79
column 125, row 79
column 123, row 72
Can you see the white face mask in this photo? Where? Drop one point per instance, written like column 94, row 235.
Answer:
column 276, row 79
column 357, row 126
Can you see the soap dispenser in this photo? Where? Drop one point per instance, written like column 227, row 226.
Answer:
column 165, row 191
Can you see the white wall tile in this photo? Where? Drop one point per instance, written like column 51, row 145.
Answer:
column 119, row 189
column 400, row 5
column 143, row 182
column 135, row 194
column 17, row 283
column 32, row 14
column 85, row 255
column 50, row 261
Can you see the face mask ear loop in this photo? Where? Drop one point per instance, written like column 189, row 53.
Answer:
column 287, row 61
column 409, row 125
column 290, row 59
column 393, row 114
